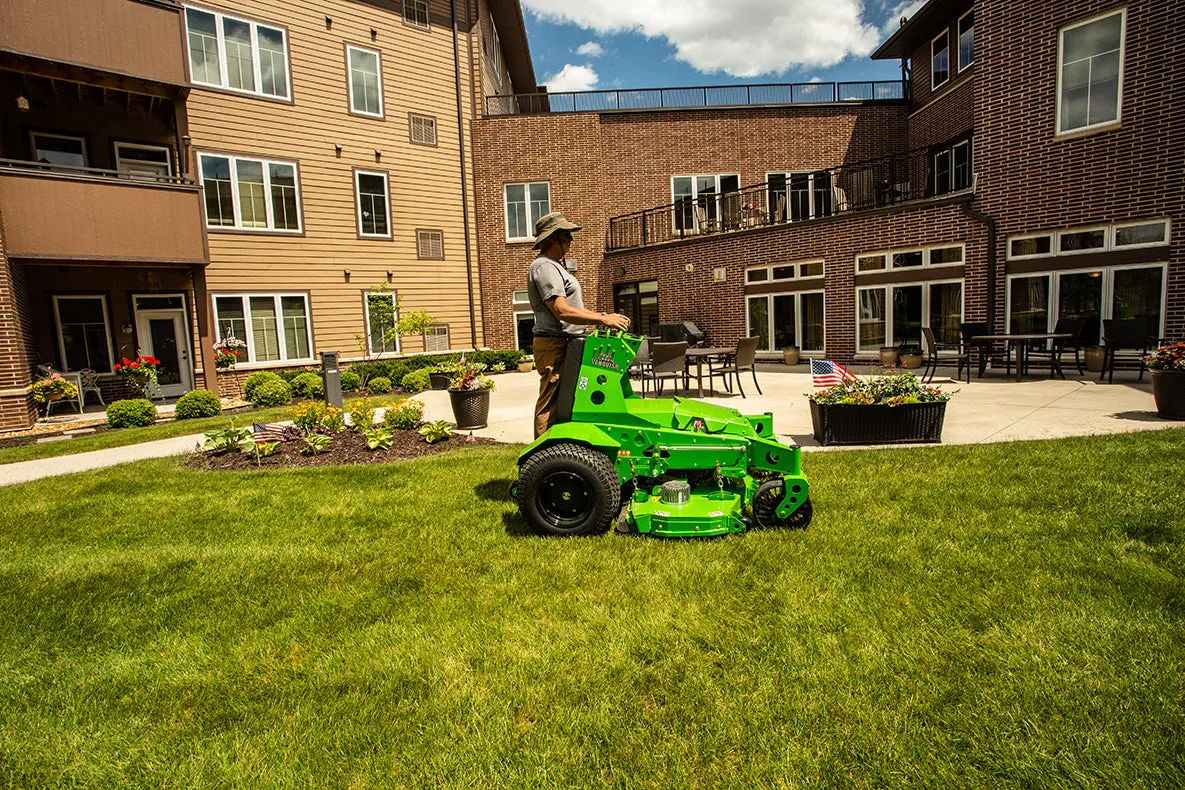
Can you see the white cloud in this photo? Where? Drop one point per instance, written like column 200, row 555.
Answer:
column 904, row 9
column 590, row 49
column 572, row 78
column 743, row 38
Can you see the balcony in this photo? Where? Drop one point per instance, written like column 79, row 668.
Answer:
column 650, row 99
column 65, row 213
column 133, row 38
column 794, row 197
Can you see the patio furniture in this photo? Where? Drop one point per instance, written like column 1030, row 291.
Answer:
column 699, row 356
column 1127, row 334
column 970, row 330
column 1053, row 353
column 89, row 382
column 744, row 358
column 641, row 363
column 666, row 362
column 703, row 222
column 839, row 199
column 686, row 331
column 933, row 360
column 45, row 371
column 780, row 208
column 1021, row 341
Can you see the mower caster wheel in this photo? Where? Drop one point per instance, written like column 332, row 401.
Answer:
column 765, row 501
column 568, row 489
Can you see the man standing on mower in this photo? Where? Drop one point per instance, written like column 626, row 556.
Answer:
column 558, row 304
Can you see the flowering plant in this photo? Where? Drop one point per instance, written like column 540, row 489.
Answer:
column 228, row 351
column 1170, row 357
column 469, row 381
column 140, row 372
column 892, row 390
column 53, row 385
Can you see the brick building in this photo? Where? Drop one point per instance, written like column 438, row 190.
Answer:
column 1028, row 170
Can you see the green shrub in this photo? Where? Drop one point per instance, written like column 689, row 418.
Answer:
column 507, row 359
column 406, row 415
column 308, row 385
column 274, row 392
column 291, row 375
column 379, row 385
column 416, row 381
column 361, row 413
column 350, row 381
column 254, row 380
column 199, row 403
column 131, row 413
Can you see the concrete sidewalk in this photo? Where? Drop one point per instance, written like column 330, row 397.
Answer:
column 992, row 409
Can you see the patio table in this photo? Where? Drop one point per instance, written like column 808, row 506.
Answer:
column 698, row 355
column 1020, row 341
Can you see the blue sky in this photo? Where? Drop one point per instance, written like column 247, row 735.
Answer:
column 606, row 44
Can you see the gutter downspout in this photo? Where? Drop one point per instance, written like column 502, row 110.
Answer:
column 990, row 223
column 464, row 186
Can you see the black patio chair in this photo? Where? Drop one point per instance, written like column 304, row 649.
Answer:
column 666, row 362
column 933, row 360
column 744, row 358
column 1127, row 334
column 1052, row 354
column 984, row 347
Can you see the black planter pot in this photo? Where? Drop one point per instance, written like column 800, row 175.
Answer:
column 1168, row 388
column 910, row 422
column 471, row 408
column 439, row 381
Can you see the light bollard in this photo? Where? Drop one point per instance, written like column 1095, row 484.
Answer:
column 331, row 375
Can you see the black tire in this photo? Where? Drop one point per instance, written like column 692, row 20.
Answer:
column 765, row 503
column 569, row 489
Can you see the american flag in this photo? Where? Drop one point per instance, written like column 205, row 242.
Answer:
column 271, row 432
column 825, row 373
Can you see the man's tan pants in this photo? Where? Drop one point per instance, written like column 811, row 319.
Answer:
column 549, row 361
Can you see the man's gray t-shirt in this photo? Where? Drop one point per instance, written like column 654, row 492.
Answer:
column 546, row 280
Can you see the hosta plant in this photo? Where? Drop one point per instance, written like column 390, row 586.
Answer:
column 316, row 443
column 379, row 438
column 436, row 431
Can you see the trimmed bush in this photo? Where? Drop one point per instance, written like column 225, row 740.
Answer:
column 351, row 381
column 379, row 385
column 405, row 416
column 131, row 413
column 308, row 385
column 275, row 392
column 254, row 380
column 292, row 375
column 416, row 381
column 199, row 403
column 507, row 359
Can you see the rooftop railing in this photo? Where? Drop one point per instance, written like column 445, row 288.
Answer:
column 640, row 99
column 78, row 171
column 794, row 197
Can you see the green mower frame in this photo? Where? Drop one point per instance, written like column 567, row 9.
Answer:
column 688, row 468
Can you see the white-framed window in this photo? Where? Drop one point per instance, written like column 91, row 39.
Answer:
column 805, row 194
column 415, row 13
column 236, row 54
column 1035, row 301
column 945, row 256
column 1141, row 234
column 495, row 53
column 139, row 159
column 436, row 339
column 1090, row 73
column 1020, row 247
column 275, row 326
column 966, row 39
column 381, row 317
column 422, row 129
column 872, row 262
column 84, row 332
column 58, row 149
column 525, row 204
column 952, row 168
column 524, row 329
column 250, row 194
column 786, row 319
column 430, row 244
column 804, row 270
column 365, row 77
column 939, row 60
column 1080, row 240
column 935, row 255
column 890, row 315
column 521, row 297
column 697, row 199
column 374, row 209
column 907, row 259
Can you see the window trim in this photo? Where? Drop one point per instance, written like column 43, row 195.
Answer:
column 1106, row 304
column 385, row 175
column 366, row 318
column 516, row 314
column 526, row 185
column 238, row 227
column 798, row 275
column 57, row 318
column 447, row 333
column 883, row 255
column 905, row 251
column 769, row 313
column 257, row 69
column 1107, row 234
column 945, row 34
column 1111, row 232
column 926, row 260
column 886, row 257
column 958, row 43
column 1061, row 34
column 495, row 53
column 926, row 285
column 1116, row 227
column 35, row 133
column 429, row 257
column 411, row 117
column 168, row 149
column 245, row 297
column 695, row 197
column 1008, row 246
column 427, row 16
column 812, row 191
column 381, row 114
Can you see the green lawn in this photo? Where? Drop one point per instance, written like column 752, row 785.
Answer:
column 956, row 617
column 164, row 430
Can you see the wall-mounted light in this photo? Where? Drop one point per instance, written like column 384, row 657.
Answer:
column 22, row 103
column 186, row 140
column 337, row 149
column 346, row 272
column 374, row 34
column 126, row 327
column 378, row 155
column 328, row 23
column 390, row 275
column 618, row 271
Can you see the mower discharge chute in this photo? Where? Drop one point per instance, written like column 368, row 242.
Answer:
column 688, row 468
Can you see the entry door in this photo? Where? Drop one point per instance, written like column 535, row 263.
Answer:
column 162, row 334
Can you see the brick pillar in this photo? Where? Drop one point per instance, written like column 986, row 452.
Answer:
column 205, row 339
column 17, row 407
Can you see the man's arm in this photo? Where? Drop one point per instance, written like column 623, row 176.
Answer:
column 560, row 308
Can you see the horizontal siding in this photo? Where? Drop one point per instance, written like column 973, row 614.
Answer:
column 425, row 182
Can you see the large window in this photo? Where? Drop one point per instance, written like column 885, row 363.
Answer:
column 373, row 207
column 966, row 40
column 366, row 81
column 639, row 301
column 276, row 327
column 84, row 335
column 1076, row 241
column 697, row 199
column 381, row 317
column 1090, row 73
column 890, row 315
column 787, row 319
column 524, row 331
column 952, row 168
column 1037, row 301
column 950, row 254
column 939, row 60
column 525, row 204
column 250, row 194
column 800, row 195
column 237, row 54
column 58, row 149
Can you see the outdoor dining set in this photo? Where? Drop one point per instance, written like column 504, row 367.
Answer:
column 681, row 348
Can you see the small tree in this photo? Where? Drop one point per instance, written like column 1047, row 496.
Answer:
column 390, row 322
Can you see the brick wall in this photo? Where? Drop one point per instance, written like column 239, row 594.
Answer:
column 17, row 407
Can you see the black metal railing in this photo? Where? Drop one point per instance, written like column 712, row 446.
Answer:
column 861, row 186
column 706, row 96
column 78, row 171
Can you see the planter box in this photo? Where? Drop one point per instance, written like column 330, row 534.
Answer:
column 471, row 408
column 1168, row 388
column 912, row 422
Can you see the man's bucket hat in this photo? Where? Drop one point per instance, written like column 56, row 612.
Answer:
column 549, row 224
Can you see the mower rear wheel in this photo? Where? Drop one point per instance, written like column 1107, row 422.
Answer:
column 765, row 503
column 569, row 489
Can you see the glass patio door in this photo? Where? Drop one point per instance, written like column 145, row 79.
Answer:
column 1080, row 295
column 638, row 301
column 161, row 332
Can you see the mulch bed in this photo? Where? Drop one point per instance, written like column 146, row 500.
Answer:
column 347, row 448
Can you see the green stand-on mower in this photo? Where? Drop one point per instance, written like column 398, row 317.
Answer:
column 688, row 468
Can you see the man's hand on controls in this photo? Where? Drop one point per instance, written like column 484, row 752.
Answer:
column 615, row 321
